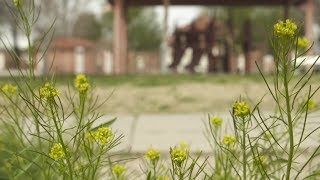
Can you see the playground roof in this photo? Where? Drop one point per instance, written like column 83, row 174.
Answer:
column 213, row 2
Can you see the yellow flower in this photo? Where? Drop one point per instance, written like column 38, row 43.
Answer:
column 179, row 154
column 241, row 109
column 9, row 89
column 183, row 145
column 48, row 91
column 216, row 121
column 228, row 139
column 309, row 103
column 81, row 83
column 262, row 159
column 267, row 135
column 152, row 154
column 163, row 178
column 259, row 159
column 56, row 152
column 102, row 135
column 18, row 3
column 302, row 42
column 285, row 29
column 118, row 170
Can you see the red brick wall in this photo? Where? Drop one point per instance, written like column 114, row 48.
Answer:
column 151, row 62
column 91, row 62
column 63, row 62
column 60, row 61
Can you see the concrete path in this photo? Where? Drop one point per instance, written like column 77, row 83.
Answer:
column 163, row 131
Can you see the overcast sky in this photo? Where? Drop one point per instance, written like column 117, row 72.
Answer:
column 178, row 15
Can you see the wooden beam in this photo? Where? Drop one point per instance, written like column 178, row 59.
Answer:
column 308, row 20
column 124, row 35
column 164, row 45
column 287, row 9
column 212, row 2
column 120, row 45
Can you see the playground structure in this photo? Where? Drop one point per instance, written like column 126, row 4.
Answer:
column 201, row 45
column 213, row 38
column 201, row 35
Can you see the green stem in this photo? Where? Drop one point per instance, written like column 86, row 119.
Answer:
column 290, row 126
column 226, row 172
column 27, row 29
column 30, row 61
column 180, row 173
column 215, row 154
column 154, row 170
column 97, row 165
column 244, row 163
column 50, row 101
column 80, row 126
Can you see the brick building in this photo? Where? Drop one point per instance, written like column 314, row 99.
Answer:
column 73, row 56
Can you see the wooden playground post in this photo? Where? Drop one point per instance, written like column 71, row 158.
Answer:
column 120, row 48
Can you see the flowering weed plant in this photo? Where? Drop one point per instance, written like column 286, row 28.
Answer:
column 277, row 146
column 51, row 133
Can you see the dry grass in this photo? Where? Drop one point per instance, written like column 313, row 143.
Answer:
column 181, row 98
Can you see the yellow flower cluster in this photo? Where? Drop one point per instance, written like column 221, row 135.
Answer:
column 9, row 89
column 285, row 29
column 56, row 152
column 102, row 135
column 228, row 139
column 311, row 105
column 302, row 42
column 48, row 91
column 216, row 121
column 179, row 154
column 240, row 109
column 152, row 154
column 118, row 170
column 81, row 83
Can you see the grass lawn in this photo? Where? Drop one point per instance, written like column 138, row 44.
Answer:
column 137, row 94
column 164, row 80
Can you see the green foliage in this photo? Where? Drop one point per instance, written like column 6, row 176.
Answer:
column 271, row 146
column 144, row 32
column 88, row 27
column 46, row 133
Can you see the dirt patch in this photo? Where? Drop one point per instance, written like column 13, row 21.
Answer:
column 183, row 98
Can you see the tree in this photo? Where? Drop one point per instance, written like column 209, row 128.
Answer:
column 64, row 14
column 8, row 20
column 87, row 27
column 144, row 32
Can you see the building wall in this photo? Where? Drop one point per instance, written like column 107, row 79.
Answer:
column 255, row 56
column 60, row 61
column 64, row 61
column 144, row 62
column 91, row 66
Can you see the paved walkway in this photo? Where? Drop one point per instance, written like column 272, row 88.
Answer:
column 163, row 131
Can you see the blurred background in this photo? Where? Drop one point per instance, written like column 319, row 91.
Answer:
column 161, row 63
